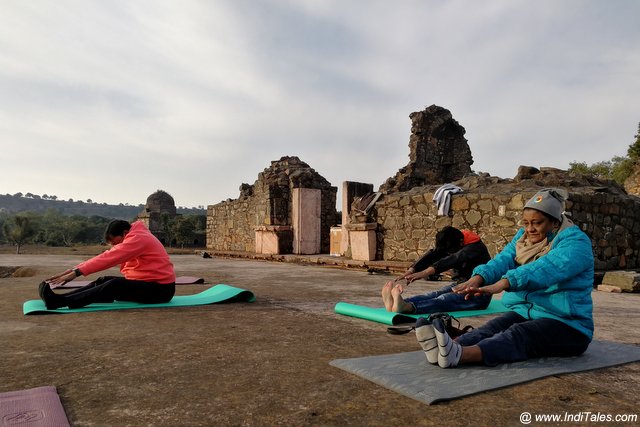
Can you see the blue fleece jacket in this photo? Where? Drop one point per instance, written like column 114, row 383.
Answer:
column 557, row 285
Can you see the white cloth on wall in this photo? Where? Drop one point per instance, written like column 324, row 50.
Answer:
column 442, row 197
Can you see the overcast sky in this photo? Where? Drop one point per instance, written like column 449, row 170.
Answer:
column 113, row 100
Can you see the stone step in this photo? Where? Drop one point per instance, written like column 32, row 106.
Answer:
column 627, row 281
column 609, row 288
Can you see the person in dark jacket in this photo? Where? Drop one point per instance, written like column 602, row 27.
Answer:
column 457, row 250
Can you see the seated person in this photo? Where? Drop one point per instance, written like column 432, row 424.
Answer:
column 459, row 250
column 148, row 273
column 546, row 272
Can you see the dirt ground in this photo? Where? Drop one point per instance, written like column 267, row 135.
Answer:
column 267, row 362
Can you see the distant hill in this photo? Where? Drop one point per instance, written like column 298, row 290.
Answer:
column 33, row 203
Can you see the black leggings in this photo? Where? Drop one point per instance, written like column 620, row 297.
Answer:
column 111, row 288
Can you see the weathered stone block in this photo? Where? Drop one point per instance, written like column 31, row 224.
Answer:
column 363, row 245
column 517, row 202
column 458, row 222
column 473, row 217
column 416, row 222
column 459, row 204
column 484, row 205
column 442, row 222
column 424, row 244
column 627, row 281
column 423, row 209
column 609, row 288
column 418, row 234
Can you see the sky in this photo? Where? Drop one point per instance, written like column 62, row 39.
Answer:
column 113, row 100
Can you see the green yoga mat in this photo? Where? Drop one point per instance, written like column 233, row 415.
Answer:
column 215, row 294
column 381, row 315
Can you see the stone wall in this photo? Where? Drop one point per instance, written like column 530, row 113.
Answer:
column 231, row 225
column 407, row 222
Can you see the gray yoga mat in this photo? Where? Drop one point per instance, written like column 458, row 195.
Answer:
column 36, row 407
column 180, row 280
column 411, row 375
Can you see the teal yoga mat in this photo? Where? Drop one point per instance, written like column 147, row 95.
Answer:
column 381, row 315
column 215, row 294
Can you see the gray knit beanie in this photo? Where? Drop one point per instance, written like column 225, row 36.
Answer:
column 549, row 201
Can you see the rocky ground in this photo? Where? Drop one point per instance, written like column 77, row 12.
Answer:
column 263, row 363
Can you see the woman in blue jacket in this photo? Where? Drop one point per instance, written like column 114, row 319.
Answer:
column 546, row 272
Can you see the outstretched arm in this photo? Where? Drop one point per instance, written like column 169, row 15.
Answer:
column 64, row 277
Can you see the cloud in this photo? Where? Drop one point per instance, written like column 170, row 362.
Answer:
column 113, row 100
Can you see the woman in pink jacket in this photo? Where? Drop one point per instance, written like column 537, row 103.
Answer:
column 148, row 272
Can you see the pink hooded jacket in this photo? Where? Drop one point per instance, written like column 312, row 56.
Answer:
column 141, row 255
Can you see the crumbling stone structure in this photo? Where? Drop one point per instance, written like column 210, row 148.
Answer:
column 406, row 222
column 159, row 205
column 266, row 215
column 438, row 151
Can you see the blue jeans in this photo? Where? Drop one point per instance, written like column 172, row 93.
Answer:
column 512, row 338
column 445, row 300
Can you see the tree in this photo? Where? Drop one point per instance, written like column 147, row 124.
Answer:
column 183, row 230
column 70, row 227
column 167, row 221
column 634, row 149
column 618, row 169
column 19, row 230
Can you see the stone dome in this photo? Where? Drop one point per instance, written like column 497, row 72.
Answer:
column 160, row 201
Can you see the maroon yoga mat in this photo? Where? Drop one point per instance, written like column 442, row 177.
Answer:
column 181, row 280
column 36, row 407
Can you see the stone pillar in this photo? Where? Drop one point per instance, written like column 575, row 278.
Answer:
column 306, row 220
column 350, row 190
column 363, row 241
column 335, row 241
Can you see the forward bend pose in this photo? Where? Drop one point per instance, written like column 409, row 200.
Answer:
column 148, row 273
column 546, row 272
column 460, row 250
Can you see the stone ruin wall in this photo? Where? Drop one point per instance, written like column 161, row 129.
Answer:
column 407, row 222
column 231, row 224
column 405, row 217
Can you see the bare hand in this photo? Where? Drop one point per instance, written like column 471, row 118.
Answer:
column 405, row 274
column 62, row 278
column 473, row 287
column 429, row 271
column 470, row 287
